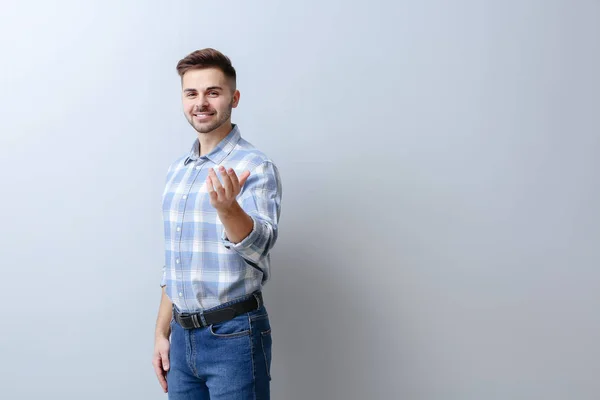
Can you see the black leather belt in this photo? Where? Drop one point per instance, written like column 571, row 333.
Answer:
column 190, row 321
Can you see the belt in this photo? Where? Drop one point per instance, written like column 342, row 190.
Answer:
column 200, row 320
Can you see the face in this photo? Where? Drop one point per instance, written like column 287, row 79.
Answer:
column 208, row 98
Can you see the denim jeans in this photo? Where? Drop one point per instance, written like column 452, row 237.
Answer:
column 225, row 361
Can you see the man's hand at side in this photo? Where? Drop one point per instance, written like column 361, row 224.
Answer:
column 160, row 361
column 160, row 358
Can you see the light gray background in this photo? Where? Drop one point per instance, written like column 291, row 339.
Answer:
column 440, row 214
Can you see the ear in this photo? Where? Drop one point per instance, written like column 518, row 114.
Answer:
column 236, row 99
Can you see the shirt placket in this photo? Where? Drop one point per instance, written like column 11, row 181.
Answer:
column 183, row 207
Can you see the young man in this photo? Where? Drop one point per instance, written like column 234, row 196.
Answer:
column 221, row 207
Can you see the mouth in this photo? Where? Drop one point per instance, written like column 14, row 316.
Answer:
column 203, row 116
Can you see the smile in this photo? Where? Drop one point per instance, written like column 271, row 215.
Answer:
column 203, row 116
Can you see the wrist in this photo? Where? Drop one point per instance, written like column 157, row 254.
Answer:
column 163, row 330
column 231, row 212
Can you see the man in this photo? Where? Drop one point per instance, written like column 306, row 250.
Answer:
column 221, row 207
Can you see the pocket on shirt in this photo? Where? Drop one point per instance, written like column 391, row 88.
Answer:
column 234, row 328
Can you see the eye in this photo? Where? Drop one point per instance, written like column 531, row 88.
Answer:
column 190, row 95
column 214, row 94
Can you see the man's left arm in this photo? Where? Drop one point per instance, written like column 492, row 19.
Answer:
column 250, row 222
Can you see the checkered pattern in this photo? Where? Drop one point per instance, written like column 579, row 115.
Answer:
column 203, row 268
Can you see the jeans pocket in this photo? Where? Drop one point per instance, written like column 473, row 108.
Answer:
column 236, row 327
column 267, row 342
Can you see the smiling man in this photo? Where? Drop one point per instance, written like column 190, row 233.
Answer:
column 221, row 207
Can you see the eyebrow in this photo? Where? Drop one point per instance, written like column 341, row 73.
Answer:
column 208, row 88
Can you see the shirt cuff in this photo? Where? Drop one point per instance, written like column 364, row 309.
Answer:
column 247, row 241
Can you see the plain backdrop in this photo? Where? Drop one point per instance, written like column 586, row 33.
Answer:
column 440, row 163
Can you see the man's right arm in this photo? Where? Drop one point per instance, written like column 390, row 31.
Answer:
column 160, row 360
column 165, row 313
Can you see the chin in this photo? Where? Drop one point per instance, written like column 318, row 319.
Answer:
column 205, row 128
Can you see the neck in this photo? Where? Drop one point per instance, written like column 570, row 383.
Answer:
column 208, row 141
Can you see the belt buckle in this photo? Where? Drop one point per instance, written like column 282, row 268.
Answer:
column 193, row 317
column 195, row 322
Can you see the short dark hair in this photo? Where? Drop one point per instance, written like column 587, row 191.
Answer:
column 207, row 58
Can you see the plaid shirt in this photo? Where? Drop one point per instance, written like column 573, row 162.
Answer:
column 203, row 269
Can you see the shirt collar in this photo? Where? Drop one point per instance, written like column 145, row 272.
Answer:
column 221, row 150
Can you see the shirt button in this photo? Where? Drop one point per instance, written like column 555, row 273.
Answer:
column 185, row 196
column 177, row 261
column 198, row 167
column 180, row 294
column 178, row 229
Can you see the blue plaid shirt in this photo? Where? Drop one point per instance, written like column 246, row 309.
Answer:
column 203, row 269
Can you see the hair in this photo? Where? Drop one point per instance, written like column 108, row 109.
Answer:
column 207, row 58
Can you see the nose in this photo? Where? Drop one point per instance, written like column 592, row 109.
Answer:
column 201, row 103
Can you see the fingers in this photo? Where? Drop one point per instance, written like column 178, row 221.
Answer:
column 165, row 360
column 227, row 182
column 243, row 177
column 210, row 186
column 234, row 180
column 216, row 184
column 230, row 187
column 160, row 373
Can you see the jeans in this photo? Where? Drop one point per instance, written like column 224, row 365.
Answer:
column 225, row 361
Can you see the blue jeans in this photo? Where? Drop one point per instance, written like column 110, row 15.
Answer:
column 226, row 361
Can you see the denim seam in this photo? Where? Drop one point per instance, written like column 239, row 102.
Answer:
column 262, row 343
column 193, row 363
column 252, row 357
column 188, row 350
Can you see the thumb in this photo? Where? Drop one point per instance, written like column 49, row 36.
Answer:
column 244, row 177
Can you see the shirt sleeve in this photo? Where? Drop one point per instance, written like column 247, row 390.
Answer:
column 261, row 200
column 163, row 281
